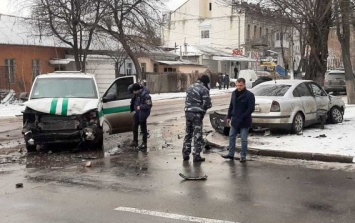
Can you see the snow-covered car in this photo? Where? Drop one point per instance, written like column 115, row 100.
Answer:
column 289, row 105
column 66, row 107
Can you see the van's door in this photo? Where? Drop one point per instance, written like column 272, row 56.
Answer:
column 116, row 105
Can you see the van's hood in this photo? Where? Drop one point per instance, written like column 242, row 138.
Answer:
column 63, row 106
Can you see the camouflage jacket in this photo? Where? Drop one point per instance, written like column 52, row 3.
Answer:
column 197, row 98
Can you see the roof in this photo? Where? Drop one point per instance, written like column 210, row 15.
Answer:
column 66, row 74
column 234, row 58
column 180, row 62
column 287, row 82
column 22, row 31
column 198, row 50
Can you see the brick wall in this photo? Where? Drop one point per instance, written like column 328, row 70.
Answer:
column 23, row 56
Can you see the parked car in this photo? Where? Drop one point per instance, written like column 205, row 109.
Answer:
column 261, row 80
column 289, row 105
column 334, row 81
column 249, row 75
column 66, row 107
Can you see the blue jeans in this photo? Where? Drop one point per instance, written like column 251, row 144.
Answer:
column 244, row 132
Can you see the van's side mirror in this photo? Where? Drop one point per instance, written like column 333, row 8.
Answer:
column 109, row 97
column 24, row 96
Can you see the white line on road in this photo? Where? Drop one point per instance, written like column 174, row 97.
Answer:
column 170, row 216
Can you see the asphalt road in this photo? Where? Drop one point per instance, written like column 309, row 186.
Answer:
column 126, row 185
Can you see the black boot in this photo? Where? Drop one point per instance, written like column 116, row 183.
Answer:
column 198, row 158
column 133, row 144
column 143, row 146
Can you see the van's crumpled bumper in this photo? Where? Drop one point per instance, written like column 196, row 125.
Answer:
column 42, row 128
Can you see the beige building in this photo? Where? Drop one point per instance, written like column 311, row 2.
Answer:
column 239, row 29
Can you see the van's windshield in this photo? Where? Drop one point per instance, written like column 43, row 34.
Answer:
column 64, row 88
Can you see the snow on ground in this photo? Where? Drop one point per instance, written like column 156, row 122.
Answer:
column 339, row 140
column 11, row 110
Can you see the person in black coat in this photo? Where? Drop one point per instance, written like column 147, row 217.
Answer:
column 141, row 104
column 239, row 118
column 226, row 82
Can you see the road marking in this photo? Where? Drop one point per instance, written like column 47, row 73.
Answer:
column 170, row 216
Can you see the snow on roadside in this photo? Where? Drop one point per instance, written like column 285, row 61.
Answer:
column 339, row 138
column 11, row 110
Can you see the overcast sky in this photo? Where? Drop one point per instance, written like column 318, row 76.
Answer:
column 9, row 7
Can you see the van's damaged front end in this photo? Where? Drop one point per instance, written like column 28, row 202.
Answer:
column 41, row 128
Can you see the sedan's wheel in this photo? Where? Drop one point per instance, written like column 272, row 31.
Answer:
column 298, row 123
column 336, row 116
column 232, row 84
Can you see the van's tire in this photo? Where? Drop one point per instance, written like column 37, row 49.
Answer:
column 297, row 124
column 232, row 84
column 336, row 115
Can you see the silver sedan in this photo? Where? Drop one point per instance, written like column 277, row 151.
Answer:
column 290, row 105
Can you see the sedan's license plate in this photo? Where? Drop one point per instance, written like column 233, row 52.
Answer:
column 257, row 108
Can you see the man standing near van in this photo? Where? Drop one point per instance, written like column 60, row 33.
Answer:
column 239, row 118
column 142, row 104
column 197, row 103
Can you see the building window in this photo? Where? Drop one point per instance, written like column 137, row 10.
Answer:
column 255, row 28
column 248, row 32
column 169, row 69
column 144, row 67
column 36, row 68
column 10, row 66
column 261, row 32
column 129, row 69
column 210, row 6
column 156, row 68
column 205, row 34
column 278, row 37
column 267, row 33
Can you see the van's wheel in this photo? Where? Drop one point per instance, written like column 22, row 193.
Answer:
column 232, row 84
column 297, row 124
column 31, row 148
column 336, row 115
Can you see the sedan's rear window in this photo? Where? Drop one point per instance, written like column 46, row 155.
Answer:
column 333, row 76
column 271, row 90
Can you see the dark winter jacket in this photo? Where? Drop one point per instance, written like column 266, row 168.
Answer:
column 145, row 102
column 226, row 79
column 240, row 109
column 197, row 98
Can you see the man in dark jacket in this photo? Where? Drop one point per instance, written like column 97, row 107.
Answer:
column 141, row 103
column 241, row 107
column 226, row 82
column 197, row 102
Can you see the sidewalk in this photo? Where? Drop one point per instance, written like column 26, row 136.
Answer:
column 335, row 143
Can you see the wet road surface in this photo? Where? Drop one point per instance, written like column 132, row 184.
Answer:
column 58, row 187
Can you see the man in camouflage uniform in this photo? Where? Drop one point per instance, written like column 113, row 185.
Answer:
column 197, row 102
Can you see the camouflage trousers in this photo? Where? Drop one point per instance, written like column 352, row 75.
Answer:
column 193, row 129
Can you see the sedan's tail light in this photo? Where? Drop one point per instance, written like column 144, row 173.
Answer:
column 275, row 107
column 326, row 82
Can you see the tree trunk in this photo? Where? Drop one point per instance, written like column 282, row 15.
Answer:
column 131, row 54
column 343, row 31
column 318, row 33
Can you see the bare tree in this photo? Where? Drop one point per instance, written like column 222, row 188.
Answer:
column 133, row 23
column 343, row 14
column 61, row 18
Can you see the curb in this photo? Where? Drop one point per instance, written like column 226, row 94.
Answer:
column 287, row 154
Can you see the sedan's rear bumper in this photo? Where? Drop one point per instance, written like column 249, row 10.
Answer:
column 330, row 88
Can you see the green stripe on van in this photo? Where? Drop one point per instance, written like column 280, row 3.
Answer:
column 53, row 106
column 65, row 106
column 108, row 111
